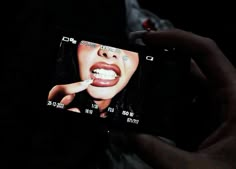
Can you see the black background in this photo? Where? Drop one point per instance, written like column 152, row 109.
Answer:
column 28, row 48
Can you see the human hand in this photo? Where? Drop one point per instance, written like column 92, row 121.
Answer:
column 218, row 151
column 65, row 93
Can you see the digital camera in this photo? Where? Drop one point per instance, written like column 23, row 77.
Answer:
column 122, row 85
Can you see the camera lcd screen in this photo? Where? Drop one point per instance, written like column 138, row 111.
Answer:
column 123, row 85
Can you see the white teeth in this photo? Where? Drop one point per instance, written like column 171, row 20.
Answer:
column 104, row 74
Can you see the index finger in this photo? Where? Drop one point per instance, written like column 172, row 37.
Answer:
column 68, row 89
column 214, row 64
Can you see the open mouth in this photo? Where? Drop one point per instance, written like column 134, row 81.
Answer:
column 104, row 74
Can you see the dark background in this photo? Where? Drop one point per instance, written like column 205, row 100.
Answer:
column 29, row 44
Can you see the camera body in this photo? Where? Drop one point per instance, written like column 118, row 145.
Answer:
column 149, row 102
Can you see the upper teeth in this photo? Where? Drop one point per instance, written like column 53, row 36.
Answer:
column 104, row 74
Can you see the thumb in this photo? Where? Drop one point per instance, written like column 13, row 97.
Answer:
column 158, row 153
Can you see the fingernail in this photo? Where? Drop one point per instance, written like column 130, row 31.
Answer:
column 87, row 81
column 136, row 37
column 137, row 34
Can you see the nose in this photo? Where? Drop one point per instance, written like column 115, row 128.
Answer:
column 107, row 52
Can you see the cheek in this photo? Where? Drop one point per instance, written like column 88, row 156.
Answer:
column 84, row 60
column 131, row 64
column 86, row 54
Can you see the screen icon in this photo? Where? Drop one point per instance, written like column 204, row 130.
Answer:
column 150, row 58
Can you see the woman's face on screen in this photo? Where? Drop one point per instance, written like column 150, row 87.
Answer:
column 111, row 68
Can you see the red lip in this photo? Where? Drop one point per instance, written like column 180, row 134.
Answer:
column 104, row 82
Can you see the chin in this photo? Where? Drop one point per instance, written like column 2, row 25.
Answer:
column 101, row 93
